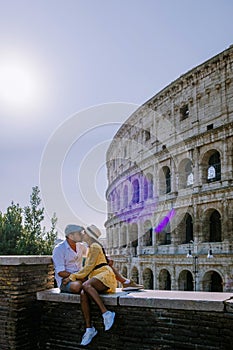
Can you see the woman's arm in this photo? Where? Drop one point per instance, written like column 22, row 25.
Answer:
column 90, row 263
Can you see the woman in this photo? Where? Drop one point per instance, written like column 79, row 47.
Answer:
column 101, row 279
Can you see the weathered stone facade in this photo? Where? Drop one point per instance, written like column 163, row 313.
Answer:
column 170, row 190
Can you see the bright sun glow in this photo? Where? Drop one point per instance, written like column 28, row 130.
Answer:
column 19, row 84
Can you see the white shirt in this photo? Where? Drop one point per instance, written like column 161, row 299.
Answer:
column 66, row 259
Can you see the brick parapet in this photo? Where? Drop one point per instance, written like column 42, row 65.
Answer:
column 21, row 277
column 145, row 320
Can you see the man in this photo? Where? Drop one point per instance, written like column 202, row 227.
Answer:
column 68, row 258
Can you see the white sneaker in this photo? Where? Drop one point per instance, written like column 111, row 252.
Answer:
column 88, row 336
column 108, row 317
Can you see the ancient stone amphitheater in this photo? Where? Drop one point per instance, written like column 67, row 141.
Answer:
column 170, row 170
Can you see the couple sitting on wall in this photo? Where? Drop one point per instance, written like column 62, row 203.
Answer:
column 96, row 276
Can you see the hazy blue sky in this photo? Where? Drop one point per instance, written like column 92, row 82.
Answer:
column 60, row 57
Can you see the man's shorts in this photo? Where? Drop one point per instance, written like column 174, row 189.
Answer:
column 65, row 288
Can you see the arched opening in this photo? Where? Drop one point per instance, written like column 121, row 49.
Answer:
column 214, row 167
column 123, row 237
column 164, row 236
column 185, row 173
column 212, row 227
column 145, row 189
column 212, row 282
column 150, row 185
column 148, row 279
column 215, row 227
column 124, row 271
column 164, row 280
column 135, row 198
column 133, row 238
column 165, row 180
column 188, row 228
column 185, row 281
column 147, row 237
column 134, row 274
column 125, row 196
column 168, row 179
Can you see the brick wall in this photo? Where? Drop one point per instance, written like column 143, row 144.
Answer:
column 148, row 320
column 20, row 278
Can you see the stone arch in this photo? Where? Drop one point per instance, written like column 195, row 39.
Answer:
column 135, row 274
column 136, row 191
column 148, row 279
column 149, row 177
column 211, row 166
column 186, row 229
column 123, row 237
column 185, row 281
column 212, row 282
column 110, row 237
column 212, row 226
column 148, row 186
column 148, row 234
column 164, row 236
column 125, row 271
column 165, row 180
column 125, row 196
column 133, row 238
column 185, row 170
column 115, row 238
column 164, row 280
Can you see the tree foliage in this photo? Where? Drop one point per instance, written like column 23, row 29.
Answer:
column 11, row 229
column 21, row 230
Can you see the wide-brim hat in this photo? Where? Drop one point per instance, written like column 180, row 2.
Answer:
column 93, row 232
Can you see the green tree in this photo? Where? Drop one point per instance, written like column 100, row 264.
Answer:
column 11, row 229
column 34, row 239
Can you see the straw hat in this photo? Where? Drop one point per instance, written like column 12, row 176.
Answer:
column 93, row 231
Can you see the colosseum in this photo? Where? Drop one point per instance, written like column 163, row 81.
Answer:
column 170, row 190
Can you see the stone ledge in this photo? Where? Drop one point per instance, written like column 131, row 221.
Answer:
column 158, row 299
column 13, row 260
column 201, row 301
column 55, row 295
column 229, row 305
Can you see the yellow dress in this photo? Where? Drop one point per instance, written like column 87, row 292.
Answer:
column 105, row 274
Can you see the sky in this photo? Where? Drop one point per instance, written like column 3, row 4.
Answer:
column 71, row 72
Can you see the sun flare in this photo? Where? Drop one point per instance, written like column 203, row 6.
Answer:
column 19, row 83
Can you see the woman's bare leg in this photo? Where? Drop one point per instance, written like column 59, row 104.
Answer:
column 85, row 306
column 92, row 288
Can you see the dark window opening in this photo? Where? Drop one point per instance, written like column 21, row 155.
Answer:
column 168, row 180
column 215, row 227
column 135, row 198
column 210, row 126
column 184, row 112
column 147, row 238
column 188, row 229
column 147, row 135
column 214, row 169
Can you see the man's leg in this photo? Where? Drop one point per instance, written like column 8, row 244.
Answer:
column 71, row 287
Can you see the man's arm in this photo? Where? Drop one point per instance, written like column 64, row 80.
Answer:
column 64, row 274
